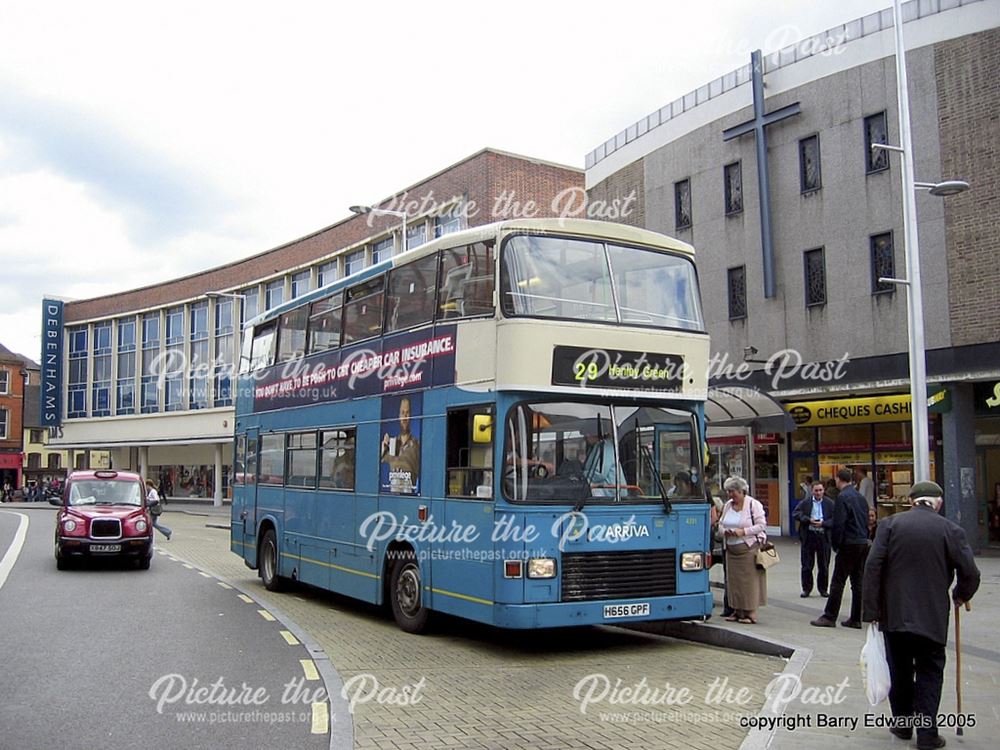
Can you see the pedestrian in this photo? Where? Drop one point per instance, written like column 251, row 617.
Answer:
column 815, row 517
column 742, row 528
column 805, row 488
column 156, row 508
column 865, row 485
column 910, row 567
column 850, row 542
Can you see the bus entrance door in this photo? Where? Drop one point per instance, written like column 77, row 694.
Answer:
column 249, row 510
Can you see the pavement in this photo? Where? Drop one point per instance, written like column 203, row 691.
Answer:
column 485, row 686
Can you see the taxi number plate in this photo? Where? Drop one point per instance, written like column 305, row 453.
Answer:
column 105, row 548
column 613, row 611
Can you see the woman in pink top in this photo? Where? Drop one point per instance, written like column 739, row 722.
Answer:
column 741, row 527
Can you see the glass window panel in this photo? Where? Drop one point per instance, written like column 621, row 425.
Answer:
column 416, row 234
column 300, row 283
column 262, row 351
column 655, row 289
column 354, row 262
column 383, row 250
column 883, row 262
column 815, row 277
column 876, row 131
column 292, row 334
column 467, row 281
column 809, row 164
column 363, row 311
column 411, row 294
column 733, row 176
column 337, row 457
column 324, row 323
column 737, row 283
column 682, row 204
column 274, row 294
column 272, row 459
column 327, row 273
column 301, row 463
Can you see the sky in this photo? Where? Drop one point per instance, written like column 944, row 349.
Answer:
column 141, row 141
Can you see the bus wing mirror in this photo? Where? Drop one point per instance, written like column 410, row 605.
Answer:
column 482, row 428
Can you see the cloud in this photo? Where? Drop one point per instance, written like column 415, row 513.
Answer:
column 158, row 198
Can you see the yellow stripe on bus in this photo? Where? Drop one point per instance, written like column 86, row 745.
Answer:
column 465, row 597
column 330, row 565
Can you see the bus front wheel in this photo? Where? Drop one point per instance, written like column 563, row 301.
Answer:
column 406, row 594
column 268, row 559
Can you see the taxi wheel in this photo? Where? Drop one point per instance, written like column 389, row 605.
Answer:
column 406, row 596
column 62, row 563
column 143, row 563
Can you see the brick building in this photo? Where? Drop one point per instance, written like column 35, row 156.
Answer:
column 171, row 417
column 836, row 217
column 13, row 377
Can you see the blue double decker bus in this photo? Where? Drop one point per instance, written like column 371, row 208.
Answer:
column 505, row 424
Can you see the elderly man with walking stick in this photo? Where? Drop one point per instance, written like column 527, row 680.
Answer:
column 910, row 567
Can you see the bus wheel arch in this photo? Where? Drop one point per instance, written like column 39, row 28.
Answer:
column 405, row 589
column 268, row 555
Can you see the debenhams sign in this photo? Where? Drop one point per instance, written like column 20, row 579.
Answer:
column 52, row 359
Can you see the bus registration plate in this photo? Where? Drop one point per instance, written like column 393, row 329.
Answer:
column 614, row 611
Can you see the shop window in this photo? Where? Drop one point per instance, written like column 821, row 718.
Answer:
column 892, row 435
column 850, row 437
column 337, row 459
column 300, row 468
column 469, row 452
column 804, row 439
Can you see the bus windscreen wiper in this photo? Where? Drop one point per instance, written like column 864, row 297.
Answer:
column 644, row 450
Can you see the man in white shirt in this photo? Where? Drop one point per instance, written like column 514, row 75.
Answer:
column 866, row 487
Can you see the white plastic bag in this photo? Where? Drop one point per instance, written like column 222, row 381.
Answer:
column 875, row 666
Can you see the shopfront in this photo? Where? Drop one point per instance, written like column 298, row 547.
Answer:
column 871, row 434
column 987, row 411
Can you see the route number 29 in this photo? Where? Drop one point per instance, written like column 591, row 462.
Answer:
column 586, row 371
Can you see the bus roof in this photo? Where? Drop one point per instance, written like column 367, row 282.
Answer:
column 554, row 226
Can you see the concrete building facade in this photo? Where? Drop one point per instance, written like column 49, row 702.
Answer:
column 832, row 335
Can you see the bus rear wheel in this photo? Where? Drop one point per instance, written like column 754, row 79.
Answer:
column 406, row 596
column 268, row 559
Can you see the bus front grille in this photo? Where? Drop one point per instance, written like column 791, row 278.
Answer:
column 587, row 576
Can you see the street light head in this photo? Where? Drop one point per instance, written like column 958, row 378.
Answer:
column 360, row 210
column 949, row 187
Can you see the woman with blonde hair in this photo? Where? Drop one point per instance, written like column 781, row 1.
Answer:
column 742, row 527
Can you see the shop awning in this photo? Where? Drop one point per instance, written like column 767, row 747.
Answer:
column 746, row 406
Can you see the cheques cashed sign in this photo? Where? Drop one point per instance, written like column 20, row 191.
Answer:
column 405, row 362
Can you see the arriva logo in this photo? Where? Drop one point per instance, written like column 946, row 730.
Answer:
column 617, row 532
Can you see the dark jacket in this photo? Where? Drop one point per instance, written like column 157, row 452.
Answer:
column 850, row 518
column 909, row 569
column 803, row 514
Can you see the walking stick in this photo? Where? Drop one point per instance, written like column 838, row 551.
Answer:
column 958, row 664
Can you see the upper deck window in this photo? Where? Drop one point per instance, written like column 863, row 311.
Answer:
column 363, row 310
column 577, row 279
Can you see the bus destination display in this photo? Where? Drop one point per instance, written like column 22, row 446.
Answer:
column 615, row 368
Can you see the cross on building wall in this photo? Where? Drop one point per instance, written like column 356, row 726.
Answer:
column 758, row 126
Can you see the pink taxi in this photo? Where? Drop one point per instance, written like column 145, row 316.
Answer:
column 103, row 514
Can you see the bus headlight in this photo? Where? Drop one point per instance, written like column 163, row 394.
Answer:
column 692, row 561
column 541, row 567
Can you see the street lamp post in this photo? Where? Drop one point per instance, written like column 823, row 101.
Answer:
column 362, row 210
column 914, row 296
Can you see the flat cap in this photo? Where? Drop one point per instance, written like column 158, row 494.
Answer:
column 926, row 489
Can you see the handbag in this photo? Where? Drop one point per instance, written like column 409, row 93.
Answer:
column 766, row 556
